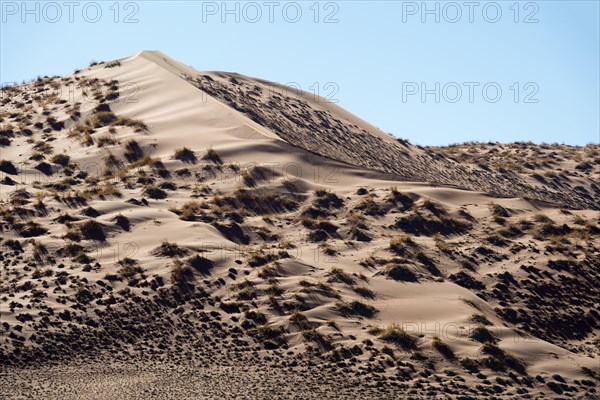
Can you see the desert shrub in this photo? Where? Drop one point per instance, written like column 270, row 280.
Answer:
column 369, row 207
column 364, row 292
column 511, row 232
column 181, row 274
column 480, row 319
column 105, row 140
column 129, row 268
column 212, row 155
column 113, row 64
column 318, row 235
column 443, row 348
column 103, row 118
column 470, row 365
column 434, row 208
column 61, row 159
column 496, row 241
column 396, row 197
column 123, row 222
column 186, row 155
column 499, row 360
column 137, row 125
column 7, row 167
column 327, row 199
column 549, row 230
column 133, row 151
column 31, row 229
column 400, row 272
column 400, row 244
column 244, row 199
column 418, row 224
column 167, row 249
column 394, row 333
column 339, row 275
column 271, row 336
column 483, row 335
column 542, row 218
column 189, row 210
column 255, row 316
column 355, row 308
column 44, row 168
column 465, row 280
column 92, row 230
column 313, row 335
column 155, row 193
column 258, row 259
column 499, row 211
column 200, row 264
column 360, row 235
column 102, row 107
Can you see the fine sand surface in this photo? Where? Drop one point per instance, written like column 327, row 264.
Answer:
column 169, row 233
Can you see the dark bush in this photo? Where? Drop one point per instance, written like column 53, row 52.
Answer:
column 186, row 155
column 61, row 159
column 92, row 230
column 155, row 193
column 7, row 167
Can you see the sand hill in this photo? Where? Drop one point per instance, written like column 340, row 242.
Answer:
column 169, row 233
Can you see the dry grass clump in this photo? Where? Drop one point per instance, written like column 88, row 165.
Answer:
column 369, row 206
column 61, row 159
column 327, row 199
column 200, row 264
column 129, row 268
column 133, row 151
column 399, row 271
column 480, row 319
column 339, row 275
column 7, row 167
column 401, row 244
column 92, row 230
column 355, row 308
column 186, row 155
column 213, row 156
column 112, row 64
column 394, row 333
column 443, row 348
column 482, row 334
column 103, row 118
column 30, row 229
column 258, row 203
column 398, row 198
column 189, row 211
column 181, row 274
column 105, row 141
column 499, row 360
column 109, row 189
column 499, row 211
column 154, row 192
column 168, row 249
column 417, row 224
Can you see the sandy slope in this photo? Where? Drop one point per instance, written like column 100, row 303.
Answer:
column 275, row 293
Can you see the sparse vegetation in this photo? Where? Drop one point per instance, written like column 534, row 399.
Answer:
column 92, row 230
column 186, row 155
column 394, row 333
column 356, row 308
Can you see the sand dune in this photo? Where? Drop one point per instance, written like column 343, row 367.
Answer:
column 174, row 233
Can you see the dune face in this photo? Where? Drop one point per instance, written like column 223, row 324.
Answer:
column 174, row 233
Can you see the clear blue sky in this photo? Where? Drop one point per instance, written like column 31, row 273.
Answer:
column 378, row 54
